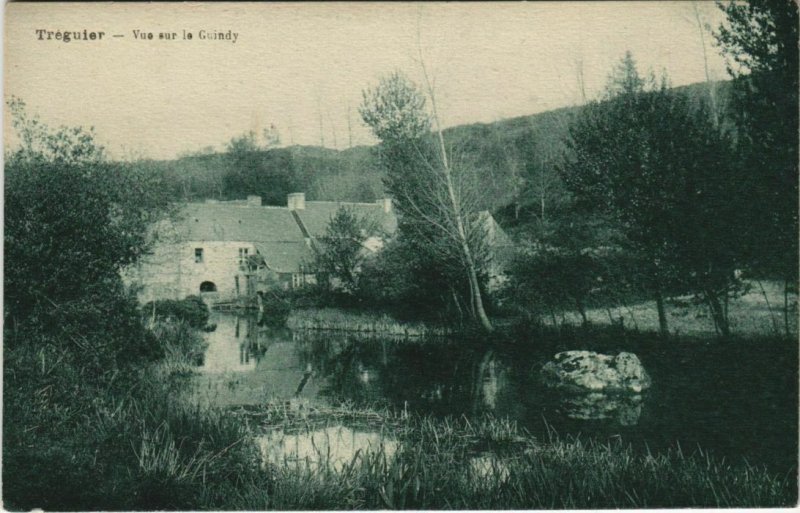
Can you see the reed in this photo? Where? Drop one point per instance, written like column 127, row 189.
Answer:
column 490, row 464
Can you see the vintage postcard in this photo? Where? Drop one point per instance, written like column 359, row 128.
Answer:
column 328, row 256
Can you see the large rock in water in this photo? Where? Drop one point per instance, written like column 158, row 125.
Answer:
column 590, row 371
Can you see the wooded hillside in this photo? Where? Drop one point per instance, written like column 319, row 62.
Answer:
column 517, row 159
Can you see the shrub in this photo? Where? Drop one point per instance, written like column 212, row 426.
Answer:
column 191, row 309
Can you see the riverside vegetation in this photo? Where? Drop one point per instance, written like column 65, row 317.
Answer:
column 142, row 443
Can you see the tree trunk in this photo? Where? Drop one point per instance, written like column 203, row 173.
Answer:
column 663, row 328
column 476, row 293
column 786, row 306
column 769, row 308
column 458, row 306
column 582, row 311
column 472, row 274
column 457, row 213
column 476, row 386
column 718, row 314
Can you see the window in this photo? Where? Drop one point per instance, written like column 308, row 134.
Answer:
column 198, row 255
column 297, row 280
column 243, row 258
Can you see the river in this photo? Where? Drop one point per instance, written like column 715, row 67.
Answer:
column 736, row 408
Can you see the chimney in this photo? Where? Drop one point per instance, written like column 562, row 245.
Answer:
column 386, row 204
column 296, row 201
column 253, row 201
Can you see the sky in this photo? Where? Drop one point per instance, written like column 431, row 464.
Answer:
column 302, row 67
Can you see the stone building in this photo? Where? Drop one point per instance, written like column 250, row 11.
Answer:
column 224, row 250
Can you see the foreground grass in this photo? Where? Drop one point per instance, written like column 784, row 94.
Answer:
column 163, row 453
column 447, row 464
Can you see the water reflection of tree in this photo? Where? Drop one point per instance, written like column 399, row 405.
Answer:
column 431, row 377
column 253, row 339
column 351, row 372
column 501, row 385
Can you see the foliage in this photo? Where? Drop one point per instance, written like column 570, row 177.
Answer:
column 439, row 464
column 137, row 445
column 436, row 194
column 183, row 346
column 73, row 335
column 267, row 174
column 72, row 222
column 759, row 38
column 191, row 309
column 341, row 251
column 664, row 175
column 276, row 308
column 38, row 143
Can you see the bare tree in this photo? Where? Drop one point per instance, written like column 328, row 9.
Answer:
column 436, row 194
column 349, row 128
column 702, row 28
column 581, row 81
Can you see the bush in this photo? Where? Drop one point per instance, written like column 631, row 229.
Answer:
column 191, row 309
column 183, row 345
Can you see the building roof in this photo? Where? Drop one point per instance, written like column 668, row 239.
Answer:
column 279, row 233
column 238, row 222
column 285, row 257
column 317, row 214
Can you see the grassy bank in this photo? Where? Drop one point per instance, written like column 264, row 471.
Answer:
column 423, row 463
column 124, row 442
column 759, row 311
column 335, row 319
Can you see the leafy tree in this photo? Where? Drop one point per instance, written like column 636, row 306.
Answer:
column 39, row 144
column 759, row 39
column 664, row 175
column 341, row 250
column 269, row 174
column 72, row 220
column 437, row 196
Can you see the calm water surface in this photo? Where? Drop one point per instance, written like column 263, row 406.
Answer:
column 733, row 407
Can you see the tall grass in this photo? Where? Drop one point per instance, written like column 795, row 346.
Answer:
column 184, row 348
column 448, row 464
column 128, row 441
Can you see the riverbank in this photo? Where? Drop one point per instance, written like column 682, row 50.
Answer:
column 154, row 447
column 757, row 312
column 335, row 319
column 270, row 460
column 307, row 456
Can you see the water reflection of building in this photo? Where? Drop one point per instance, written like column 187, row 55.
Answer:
column 249, row 364
column 252, row 342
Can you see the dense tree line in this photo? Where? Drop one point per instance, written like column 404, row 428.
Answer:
column 245, row 168
column 695, row 197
